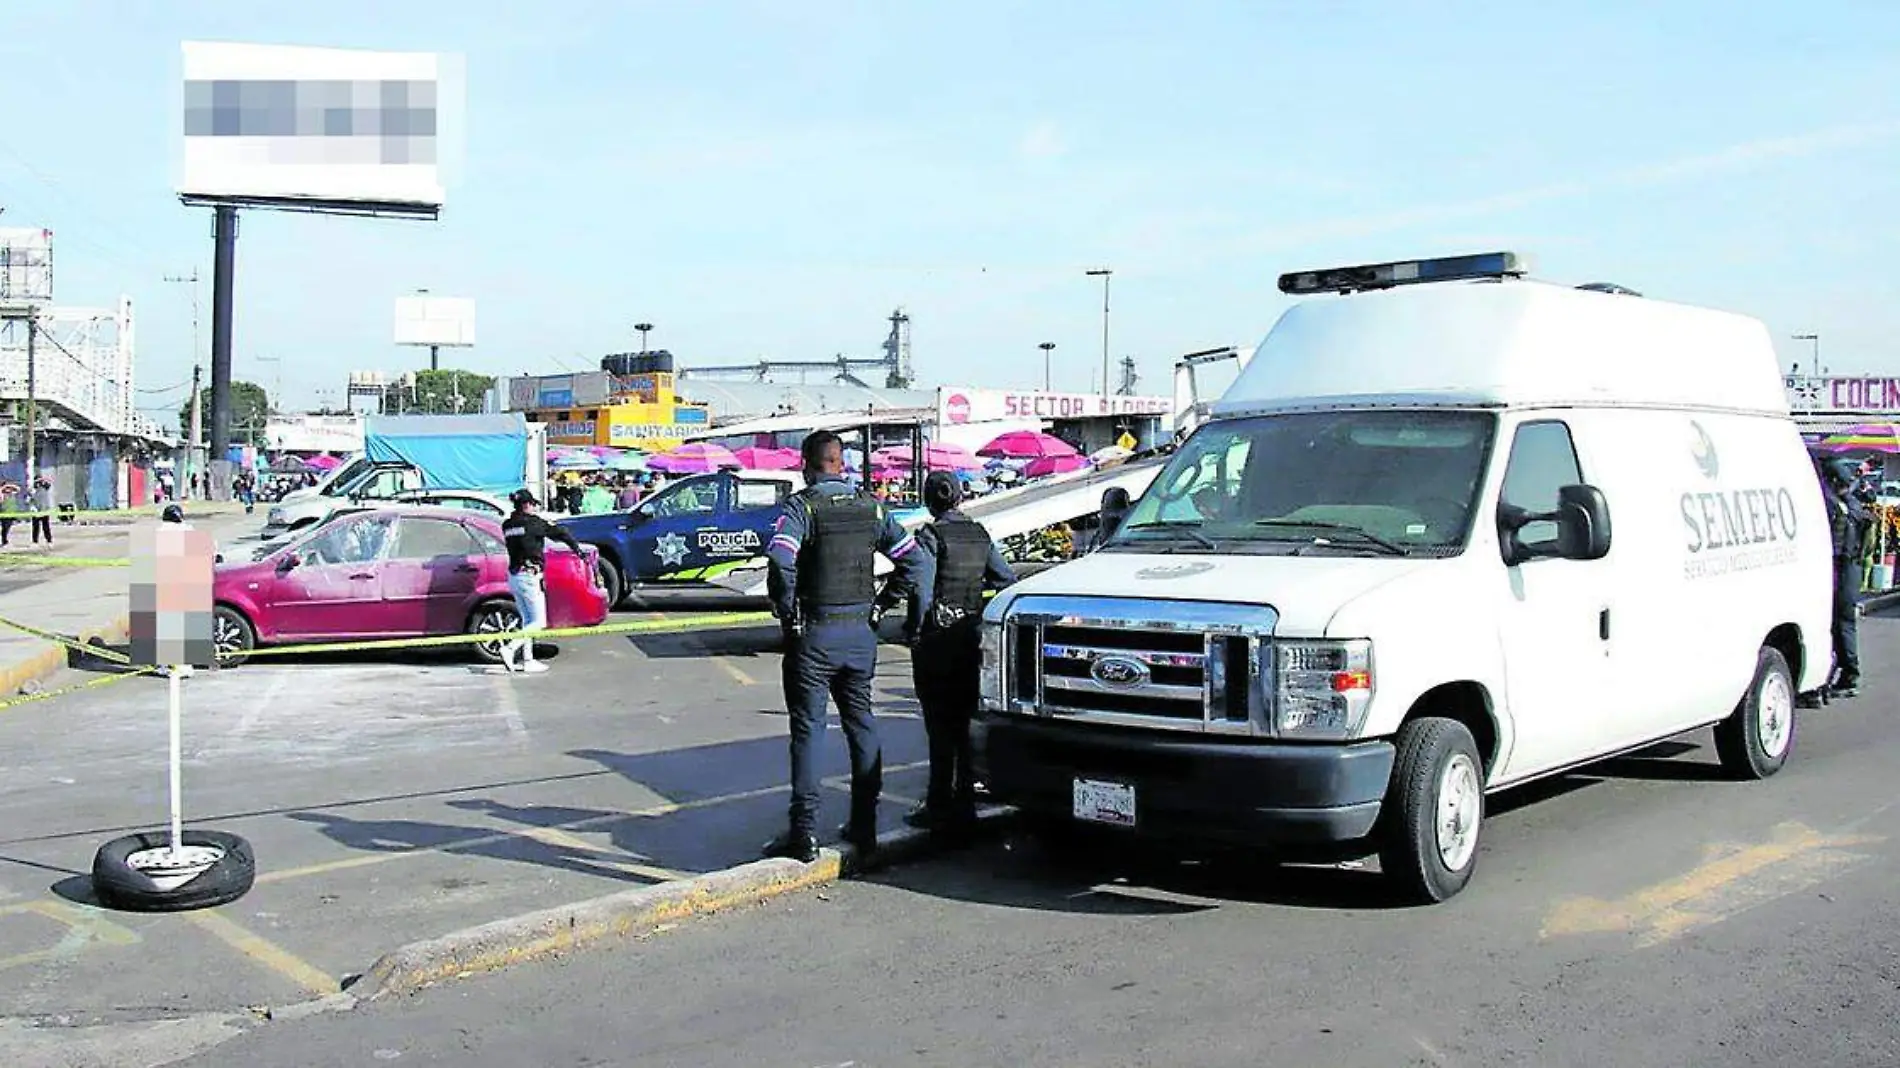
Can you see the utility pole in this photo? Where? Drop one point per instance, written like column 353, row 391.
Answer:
column 1104, row 273
column 1047, row 347
column 644, row 328
column 196, row 440
column 32, row 396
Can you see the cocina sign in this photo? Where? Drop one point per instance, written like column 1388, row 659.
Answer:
column 956, row 405
column 1862, row 393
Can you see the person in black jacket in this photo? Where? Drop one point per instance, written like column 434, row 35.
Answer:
column 959, row 563
column 527, row 535
column 1848, row 520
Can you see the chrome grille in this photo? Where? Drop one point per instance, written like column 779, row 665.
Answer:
column 1164, row 664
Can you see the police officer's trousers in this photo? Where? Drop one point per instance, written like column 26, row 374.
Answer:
column 944, row 666
column 1847, row 621
column 836, row 657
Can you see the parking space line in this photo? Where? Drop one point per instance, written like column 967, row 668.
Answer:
column 666, row 808
column 264, row 952
column 738, row 675
column 84, row 927
column 510, row 706
column 611, row 858
column 1730, row 881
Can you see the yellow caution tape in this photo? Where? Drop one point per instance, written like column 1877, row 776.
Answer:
column 99, row 651
column 89, row 684
column 21, row 556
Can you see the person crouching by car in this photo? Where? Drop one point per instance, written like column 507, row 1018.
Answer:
column 959, row 562
column 527, row 536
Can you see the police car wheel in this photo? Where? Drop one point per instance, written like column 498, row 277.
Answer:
column 1758, row 737
column 610, row 581
column 1433, row 811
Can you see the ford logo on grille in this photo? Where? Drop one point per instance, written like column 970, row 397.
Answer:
column 1119, row 671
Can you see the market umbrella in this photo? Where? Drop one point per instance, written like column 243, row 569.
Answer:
column 753, row 458
column 579, row 461
column 1112, row 454
column 1867, row 437
column 1054, row 465
column 322, row 463
column 695, row 458
column 1027, row 444
column 627, row 461
column 938, row 456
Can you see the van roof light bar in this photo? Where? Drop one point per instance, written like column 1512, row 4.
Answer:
column 1490, row 265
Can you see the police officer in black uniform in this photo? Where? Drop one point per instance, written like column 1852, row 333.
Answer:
column 1848, row 519
column 822, row 581
column 959, row 562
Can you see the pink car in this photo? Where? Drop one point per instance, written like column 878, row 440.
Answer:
column 393, row 573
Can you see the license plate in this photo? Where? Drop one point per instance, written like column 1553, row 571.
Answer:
column 1105, row 802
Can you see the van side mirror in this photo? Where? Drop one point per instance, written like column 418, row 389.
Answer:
column 1583, row 528
column 1115, row 506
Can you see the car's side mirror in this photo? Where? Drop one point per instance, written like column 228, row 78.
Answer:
column 1115, row 505
column 289, row 561
column 1583, row 528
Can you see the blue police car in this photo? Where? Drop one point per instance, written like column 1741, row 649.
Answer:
column 694, row 532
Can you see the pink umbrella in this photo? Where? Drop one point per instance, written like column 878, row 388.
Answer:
column 1054, row 465
column 323, row 463
column 754, row 458
column 698, row 457
column 938, row 456
column 1027, row 444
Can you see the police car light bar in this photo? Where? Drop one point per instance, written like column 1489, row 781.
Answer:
column 1408, row 272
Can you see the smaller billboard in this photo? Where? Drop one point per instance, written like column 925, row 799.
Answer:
column 447, row 322
column 324, row 126
column 26, row 267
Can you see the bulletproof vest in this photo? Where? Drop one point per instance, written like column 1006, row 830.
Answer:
column 835, row 566
column 966, row 556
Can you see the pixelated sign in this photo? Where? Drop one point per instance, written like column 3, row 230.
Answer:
column 171, row 613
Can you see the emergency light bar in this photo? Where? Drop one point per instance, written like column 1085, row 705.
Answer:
column 1407, row 272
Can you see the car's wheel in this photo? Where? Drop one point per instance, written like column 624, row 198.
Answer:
column 609, row 574
column 495, row 617
column 1758, row 737
column 1433, row 810
column 140, row 872
column 232, row 636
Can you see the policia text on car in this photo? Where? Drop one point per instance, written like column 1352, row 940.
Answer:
column 822, row 581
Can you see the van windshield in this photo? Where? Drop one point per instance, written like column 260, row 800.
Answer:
column 1386, row 482
column 339, row 480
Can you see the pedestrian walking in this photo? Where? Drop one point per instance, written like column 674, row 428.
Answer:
column 527, row 536
column 9, row 510
column 958, row 562
column 42, row 510
column 822, row 581
column 1848, row 520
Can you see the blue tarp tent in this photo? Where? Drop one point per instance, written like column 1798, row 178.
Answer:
column 481, row 452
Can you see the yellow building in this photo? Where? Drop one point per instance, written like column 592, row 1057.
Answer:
column 636, row 411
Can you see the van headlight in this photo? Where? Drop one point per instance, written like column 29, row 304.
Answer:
column 989, row 689
column 1322, row 689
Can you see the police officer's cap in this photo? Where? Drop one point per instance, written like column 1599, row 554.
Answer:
column 942, row 491
column 172, row 514
column 523, row 497
column 1842, row 470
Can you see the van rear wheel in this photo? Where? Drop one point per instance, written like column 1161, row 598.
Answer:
column 1758, row 737
column 1433, row 811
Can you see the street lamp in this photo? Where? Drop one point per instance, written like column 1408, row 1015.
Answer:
column 1104, row 273
column 644, row 328
column 1047, row 347
column 1815, row 339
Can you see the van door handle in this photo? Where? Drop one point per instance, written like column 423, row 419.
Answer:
column 1603, row 624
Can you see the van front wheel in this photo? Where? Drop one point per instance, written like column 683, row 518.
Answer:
column 1434, row 809
column 1757, row 738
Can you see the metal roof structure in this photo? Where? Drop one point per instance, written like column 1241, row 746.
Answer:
column 745, row 401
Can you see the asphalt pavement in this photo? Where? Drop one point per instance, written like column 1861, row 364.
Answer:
column 1643, row 912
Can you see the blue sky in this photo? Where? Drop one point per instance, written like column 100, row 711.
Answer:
column 772, row 179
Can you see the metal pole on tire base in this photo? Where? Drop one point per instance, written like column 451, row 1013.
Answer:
column 172, row 624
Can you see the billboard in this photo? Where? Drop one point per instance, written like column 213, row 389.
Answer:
column 269, row 124
column 313, row 433
column 26, row 267
column 960, row 405
column 435, row 321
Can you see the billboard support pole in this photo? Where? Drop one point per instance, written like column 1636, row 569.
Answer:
column 432, row 355
column 32, row 399
column 224, row 265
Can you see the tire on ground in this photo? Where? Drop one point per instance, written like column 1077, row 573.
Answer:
column 119, row 885
column 1409, row 850
column 492, row 616
column 1764, row 720
column 244, row 636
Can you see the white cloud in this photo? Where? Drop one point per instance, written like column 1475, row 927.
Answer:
column 1043, row 141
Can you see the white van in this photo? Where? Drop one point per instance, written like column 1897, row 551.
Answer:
column 1451, row 531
